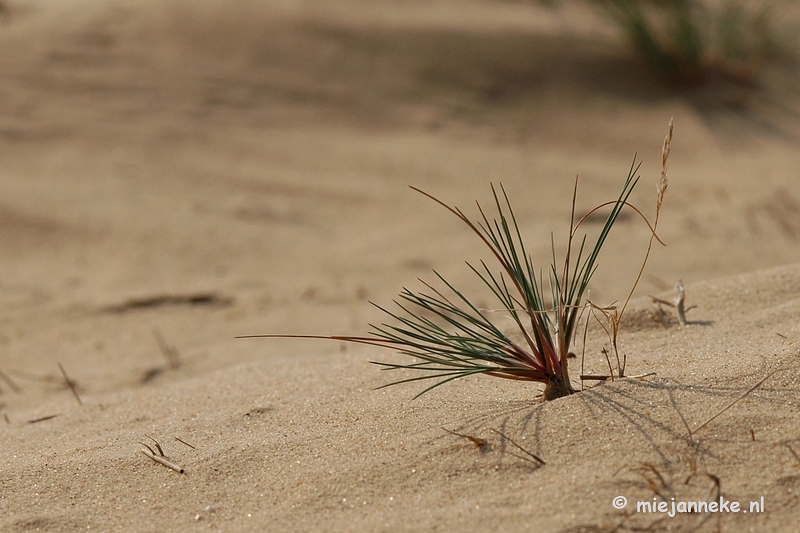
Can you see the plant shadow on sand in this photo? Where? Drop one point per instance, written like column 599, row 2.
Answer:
column 670, row 450
column 501, row 71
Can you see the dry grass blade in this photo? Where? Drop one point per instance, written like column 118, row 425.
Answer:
column 170, row 353
column 70, row 384
column 612, row 315
column 162, row 461
column 158, row 446
column 663, row 185
column 594, row 377
column 42, row 419
column 482, row 444
column 737, row 400
column 159, row 457
column 605, row 377
column 529, row 454
column 184, row 442
column 656, row 484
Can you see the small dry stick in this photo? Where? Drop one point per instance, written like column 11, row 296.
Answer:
column 10, row 382
column 594, row 377
column 158, row 446
column 184, row 442
column 520, row 447
column 793, row 453
column 5, row 415
column 161, row 460
column 480, row 443
column 159, row 457
column 70, row 384
column 753, row 434
column 602, row 377
column 677, row 303
column 654, row 488
column 737, row 400
column 42, row 419
column 170, row 353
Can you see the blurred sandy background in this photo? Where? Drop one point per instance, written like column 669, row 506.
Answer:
column 193, row 171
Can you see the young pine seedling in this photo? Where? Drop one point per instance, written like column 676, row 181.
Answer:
column 449, row 337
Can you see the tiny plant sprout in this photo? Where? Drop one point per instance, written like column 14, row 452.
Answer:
column 449, row 337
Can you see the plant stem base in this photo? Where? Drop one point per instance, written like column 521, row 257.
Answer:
column 557, row 387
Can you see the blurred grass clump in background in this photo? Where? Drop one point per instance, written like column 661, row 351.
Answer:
column 688, row 41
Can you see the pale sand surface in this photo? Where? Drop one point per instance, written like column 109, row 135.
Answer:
column 155, row 152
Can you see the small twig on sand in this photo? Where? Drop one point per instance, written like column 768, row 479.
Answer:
column 5, row 415
column 169, row 352
column 594, row 377
column 159, row 457
column 677, row 303
column 604, row 377
column 737, row 400
column 42, row 419
column 158, row 446
column 477, row 441
column 658, row 484
column 161, row 460
column 70, row 384
column 184, row 442
column 539, row 459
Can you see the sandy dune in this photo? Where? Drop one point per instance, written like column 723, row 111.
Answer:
column 194, row 171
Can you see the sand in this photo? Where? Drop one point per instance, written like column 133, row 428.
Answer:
column 195, row 171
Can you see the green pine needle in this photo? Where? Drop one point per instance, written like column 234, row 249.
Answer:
column 459, row 341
